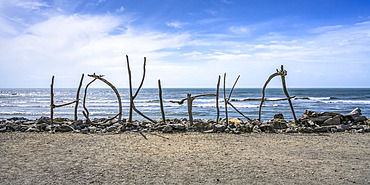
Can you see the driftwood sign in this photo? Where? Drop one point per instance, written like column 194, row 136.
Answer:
column 189, row 98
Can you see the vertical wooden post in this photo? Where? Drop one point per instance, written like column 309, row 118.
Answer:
column 226, row 100
column 286, row 92
column 161, row 101
column 190, row 105
column 78, row 96
column 130, row 85
column 217, row 93
column 52, row 100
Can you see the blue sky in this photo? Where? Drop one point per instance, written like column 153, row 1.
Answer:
column 188, row 43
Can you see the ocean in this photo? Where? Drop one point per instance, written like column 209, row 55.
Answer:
column 35, row 102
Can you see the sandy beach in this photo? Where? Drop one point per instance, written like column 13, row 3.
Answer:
column 184, row 158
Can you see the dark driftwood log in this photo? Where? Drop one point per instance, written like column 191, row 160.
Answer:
column 130, row 86
column 225, row 100
column 217, row 94
column 161, row 101
column 190, row 106
column 52, row 100
column 281, row 73
column 286, row 92
column 78, row 96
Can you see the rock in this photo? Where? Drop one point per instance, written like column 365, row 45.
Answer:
column 111, row 128
column 235, row 131
column 41, row 126
column 201, row 126
column 336, row 120
column 28, row 123
column 32, row 129
column 178, row 127
column 268, row 128
column 235, row 121
column 279, row 116
column 3, row 129
column 60, row 120
column 305, row 129
column 355, row 116
column 256, row 129
column 85, row 130
column 64, row 128
column 208, row 131
column 320, row 120
column 291, row 130
column 342, row 128
column 219, row 128
column 277, row 123
column 91, row 129
column 324, row 129
column 43, row 120
column 167, row 129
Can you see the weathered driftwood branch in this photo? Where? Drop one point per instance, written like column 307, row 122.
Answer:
column 52, row 100
column 100, row 77
column 190, row 107
column 62, row 105
column 286, row 92
column 78, row 96
column 130, row 86
column 229, row 103
column 225, row 100
column 183, row 100
column 190, row 100
column 281, row 73
column 132, row 97
column 217, row 94
column 86, row 112
column 52, row 105
column 161, row 101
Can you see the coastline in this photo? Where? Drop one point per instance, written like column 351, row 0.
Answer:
column 309, row 122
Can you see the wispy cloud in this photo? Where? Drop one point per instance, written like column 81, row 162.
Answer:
column 239, row 29
column 176, row 24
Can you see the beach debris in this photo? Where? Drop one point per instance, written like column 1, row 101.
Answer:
column 282, row 73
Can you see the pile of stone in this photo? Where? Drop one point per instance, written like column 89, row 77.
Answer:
column 310, row 122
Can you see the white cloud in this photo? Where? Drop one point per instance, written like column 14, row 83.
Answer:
column 239, row 30
column 120, row 10
column 30, row 5
column 176, row 24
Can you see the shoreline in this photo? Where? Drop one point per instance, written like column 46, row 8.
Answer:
column 309, row 122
